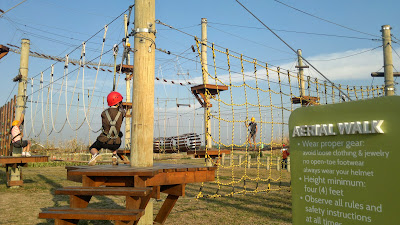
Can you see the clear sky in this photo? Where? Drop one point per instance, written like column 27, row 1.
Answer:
column 335, row 36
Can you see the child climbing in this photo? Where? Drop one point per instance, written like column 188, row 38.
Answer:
column 17, row 135
column 252, row 126
column 110, row 137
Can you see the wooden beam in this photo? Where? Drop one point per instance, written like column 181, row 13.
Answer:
column 178, row 190
column 166, row 209
column 382, row 74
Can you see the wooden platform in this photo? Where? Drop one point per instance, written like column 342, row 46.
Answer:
column 3, row 51
column 125, row 68
column 23, row 159
column 213, row 153
column 201, row 90
column 306, row 100
column 138, row 184
column 12, row 162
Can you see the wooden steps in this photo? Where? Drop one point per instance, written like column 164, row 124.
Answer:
column 90, row 191
column 92, row 214
column 136, row 201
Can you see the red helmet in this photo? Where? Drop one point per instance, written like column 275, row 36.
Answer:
column 114, row 98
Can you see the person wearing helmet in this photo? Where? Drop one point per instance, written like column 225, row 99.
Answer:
column 252, row 127
column 285, row 154
column 17, row 135
column 110, row 137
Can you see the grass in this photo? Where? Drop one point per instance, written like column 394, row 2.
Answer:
column 22, row 205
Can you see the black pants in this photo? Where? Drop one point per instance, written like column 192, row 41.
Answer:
column 99, row 145
column 284, row 163
column 20, row 144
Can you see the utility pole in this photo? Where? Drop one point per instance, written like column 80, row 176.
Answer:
column 207, row 121
column 387, row 60
column 15, row 173
column 128, row 87
column 143, row 92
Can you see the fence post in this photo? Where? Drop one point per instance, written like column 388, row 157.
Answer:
column 240, row 160
column 231, row 161
column 223, row 159
column 248, row 161
column 268, row 163
column 288, row 164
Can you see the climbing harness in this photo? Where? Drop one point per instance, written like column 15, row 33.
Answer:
column 112, row 133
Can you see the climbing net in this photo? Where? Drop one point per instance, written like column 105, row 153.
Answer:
column 269, row 94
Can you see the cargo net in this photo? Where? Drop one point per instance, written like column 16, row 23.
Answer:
column 247, row 88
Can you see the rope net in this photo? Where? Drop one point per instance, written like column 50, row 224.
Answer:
column 269, row 94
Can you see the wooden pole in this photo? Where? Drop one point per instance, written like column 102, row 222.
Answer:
column 128, row 88
column 301, row 73
column 23, row 71
column 207, row 121
column 387, row 60
column 143, row 91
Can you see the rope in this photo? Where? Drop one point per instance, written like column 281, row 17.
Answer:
column 58, row 104
column 47, row 105
column 95, row 80
column 66, row 93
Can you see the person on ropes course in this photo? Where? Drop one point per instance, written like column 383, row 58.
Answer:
column 285, row 154
column 252, row 126
column 17, row 135
column 110, row 137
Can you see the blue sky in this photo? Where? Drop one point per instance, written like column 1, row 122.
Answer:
column 57, row 27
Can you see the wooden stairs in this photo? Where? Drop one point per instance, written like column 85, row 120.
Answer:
column 136, row 201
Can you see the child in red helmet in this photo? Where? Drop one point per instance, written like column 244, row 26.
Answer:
column 110, row 137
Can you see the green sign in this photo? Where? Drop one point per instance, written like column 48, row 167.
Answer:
column 345, row 159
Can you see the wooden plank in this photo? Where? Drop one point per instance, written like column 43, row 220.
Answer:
column 12, row 183
column 92, row 214
column 124, row 191
column 181, row 178
column 23, row 159
column 166, row 209
column 209, row 86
